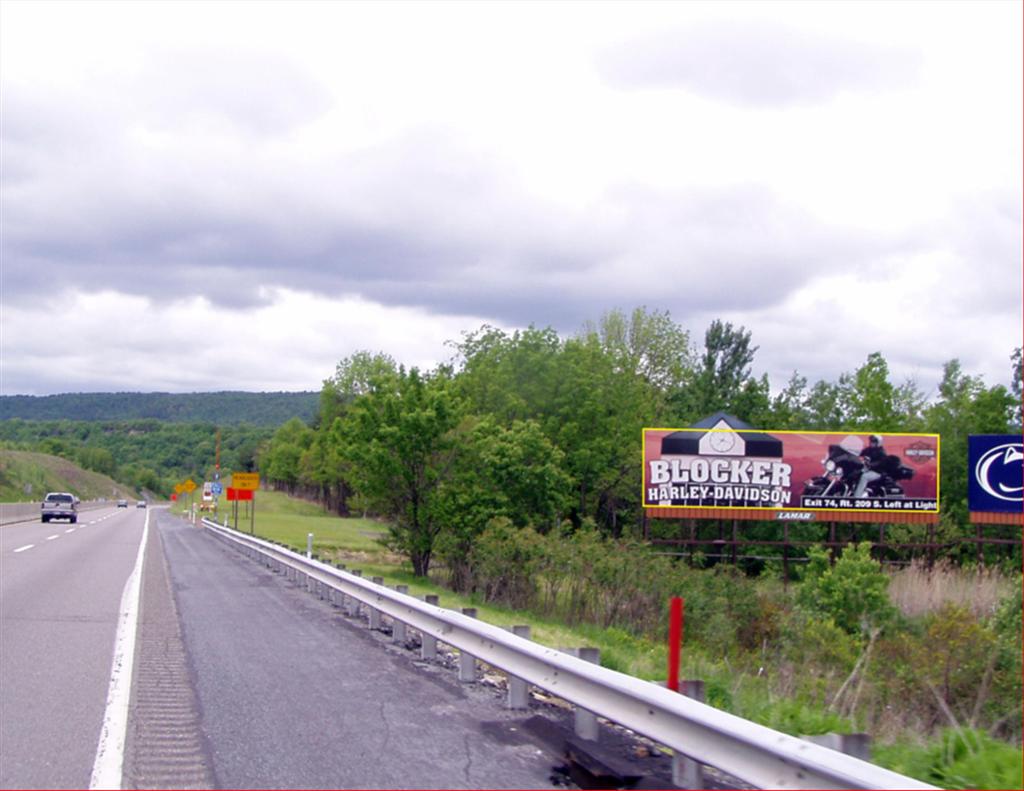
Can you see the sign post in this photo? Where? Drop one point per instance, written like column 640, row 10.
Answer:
column 189, row 486
column 675, row 641
column 245, row 485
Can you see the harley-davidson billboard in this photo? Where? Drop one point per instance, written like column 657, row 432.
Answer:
column 723, row 467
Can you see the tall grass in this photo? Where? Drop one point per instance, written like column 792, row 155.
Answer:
column 918, row 590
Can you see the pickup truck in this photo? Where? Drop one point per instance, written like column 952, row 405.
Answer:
column 60, row 505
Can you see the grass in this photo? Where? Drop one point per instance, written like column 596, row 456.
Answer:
column 918, row 590
column 26, row 476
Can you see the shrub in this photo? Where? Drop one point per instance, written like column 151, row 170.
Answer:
column 504, row 562
column 853, row 592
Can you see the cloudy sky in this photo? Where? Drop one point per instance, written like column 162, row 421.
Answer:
column 236, row 195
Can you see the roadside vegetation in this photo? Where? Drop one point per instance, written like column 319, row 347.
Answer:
column 150, row 455
column 932, row 672
column 510, row 476
column 27, row 477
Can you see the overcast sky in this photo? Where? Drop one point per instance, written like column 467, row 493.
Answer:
column 206, row 196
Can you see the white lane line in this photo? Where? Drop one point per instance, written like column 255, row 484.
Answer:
column 70, row 530
column 108, row 768
column 22, row 549
column 50, row 538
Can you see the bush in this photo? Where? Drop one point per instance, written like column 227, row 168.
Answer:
column 853, row 592
column 504, row 562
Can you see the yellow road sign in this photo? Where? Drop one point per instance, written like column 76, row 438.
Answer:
column 189, row 485
column 245, row 480
column 179, row 488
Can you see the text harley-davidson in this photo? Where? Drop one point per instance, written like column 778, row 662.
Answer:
column 843, row 470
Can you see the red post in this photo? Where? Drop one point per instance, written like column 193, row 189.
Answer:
column 675, row 641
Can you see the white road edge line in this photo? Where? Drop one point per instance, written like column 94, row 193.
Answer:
column 22, row 549
column 108, row 767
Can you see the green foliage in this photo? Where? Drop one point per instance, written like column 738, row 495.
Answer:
column 144, row 454
column 960, row 758
column 26, row 476
column 721, row 373
column 225, row 408
column 853, row 592
column 800, row 718
column 400, row 442
column 505, row 561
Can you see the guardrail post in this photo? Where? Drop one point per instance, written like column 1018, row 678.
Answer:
column 374, row 612
column 856, row 744
column 686, row 772
column 428, row 643
column 398, row 632
column 585, row 722
column 338, row 599
column 467, row 663
column 518, row 690
column 355, row 609
column 309, row 545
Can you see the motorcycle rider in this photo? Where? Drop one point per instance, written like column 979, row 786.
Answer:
column 874, row 456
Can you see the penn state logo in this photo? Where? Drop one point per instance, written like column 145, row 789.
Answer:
column 1000, row 472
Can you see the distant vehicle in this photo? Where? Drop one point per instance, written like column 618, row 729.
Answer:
column 60, row 505
column 140, row 504
column 122, row 503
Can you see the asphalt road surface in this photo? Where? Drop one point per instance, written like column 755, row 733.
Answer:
column 241, row 679
column 60, row 593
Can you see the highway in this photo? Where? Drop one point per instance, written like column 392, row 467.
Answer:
column 60, row 591
column 241, row 680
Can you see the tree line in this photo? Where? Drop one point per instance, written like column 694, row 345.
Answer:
column 544, row 431
column 223, row 408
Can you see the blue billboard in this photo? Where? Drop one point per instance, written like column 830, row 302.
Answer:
column 995, row 472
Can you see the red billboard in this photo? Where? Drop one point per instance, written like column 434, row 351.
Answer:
column 809, row 471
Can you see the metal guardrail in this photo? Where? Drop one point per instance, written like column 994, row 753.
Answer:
column 753, row 753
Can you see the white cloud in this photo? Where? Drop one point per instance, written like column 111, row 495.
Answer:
column 112, row 341
column 421, row 168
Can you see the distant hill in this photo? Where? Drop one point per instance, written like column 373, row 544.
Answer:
column 223, row 408
column 27, row 477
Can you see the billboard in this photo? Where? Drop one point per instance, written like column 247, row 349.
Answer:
column 723, row 467
column 995, row 473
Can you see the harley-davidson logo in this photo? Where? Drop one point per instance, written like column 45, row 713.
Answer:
column 920, row 452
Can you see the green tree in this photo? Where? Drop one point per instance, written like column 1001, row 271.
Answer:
column 1016, row 375
column 281, row 461
column 648, row 344
column 965, row 406
column 399, row 439
column 512, row 473
column 722, row 372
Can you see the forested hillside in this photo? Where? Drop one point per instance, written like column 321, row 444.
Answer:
column 143, row 454
column 223, row 408
column 27, row 477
